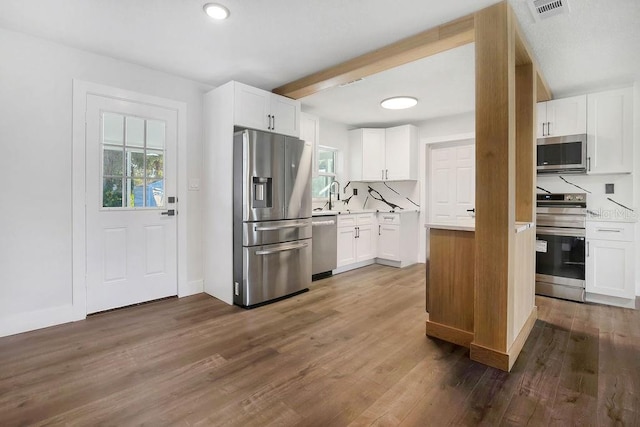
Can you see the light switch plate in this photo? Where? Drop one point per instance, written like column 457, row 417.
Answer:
column 608, row 188
column 194, row 184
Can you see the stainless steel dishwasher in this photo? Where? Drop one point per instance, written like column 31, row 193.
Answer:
column 324, row 245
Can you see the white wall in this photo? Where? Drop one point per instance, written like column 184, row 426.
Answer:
column 636, row 174
column 445, row 126
column 35, row 164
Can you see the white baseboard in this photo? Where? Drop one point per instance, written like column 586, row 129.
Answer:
column 193, row 287
column 608, row 300
column 32, row 320
column 397, row 264
column 353, row 266
column 388, row 262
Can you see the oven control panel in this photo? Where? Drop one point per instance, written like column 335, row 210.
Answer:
column 558, row 199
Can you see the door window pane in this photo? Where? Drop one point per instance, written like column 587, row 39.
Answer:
column 112, row 161
column 135, row 132
column 135, row 162
column 155, row 164
column 112, row 193
column 135, row 192
column 155, row 192
column 132, row 162
column 113, row 128
column 155, row 134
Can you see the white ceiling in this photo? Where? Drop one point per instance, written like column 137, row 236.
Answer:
column 269, row 43
column 444, row 85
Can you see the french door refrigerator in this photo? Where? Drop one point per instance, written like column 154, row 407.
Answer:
column 271, row 217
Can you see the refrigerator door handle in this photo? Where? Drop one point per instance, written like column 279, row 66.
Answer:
column 283, row 249
column 281, row 227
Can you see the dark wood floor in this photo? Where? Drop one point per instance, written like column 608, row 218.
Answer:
column 352, row 351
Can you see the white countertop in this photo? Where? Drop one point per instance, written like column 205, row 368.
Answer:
column 470, row 225
column 459, row 225
column 521, row 226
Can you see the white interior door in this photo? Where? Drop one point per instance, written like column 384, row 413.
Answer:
column 131, row 235
column 452, row 182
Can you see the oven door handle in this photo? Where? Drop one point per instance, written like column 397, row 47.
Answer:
column 566, row 232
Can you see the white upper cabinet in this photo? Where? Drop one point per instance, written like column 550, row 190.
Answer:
column 367, row 154
column 258, row 109
column 566, row 116
column 401, row 153
column 384, row 154
column 610, row 131
column 310, row 132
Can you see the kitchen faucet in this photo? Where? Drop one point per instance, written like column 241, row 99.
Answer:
column 331, row 191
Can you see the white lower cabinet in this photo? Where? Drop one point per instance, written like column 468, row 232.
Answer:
column 389, row 242
column 346, row 253
column 610, row 275
column 397, row 239
column 356, row 242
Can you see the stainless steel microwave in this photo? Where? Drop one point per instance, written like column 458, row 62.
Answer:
column 562, row 154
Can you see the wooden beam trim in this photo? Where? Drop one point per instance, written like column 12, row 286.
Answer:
column 430, row 42
column 521, row 339
column 543, row 91
column 449, row 334
column 488, row 356
column 495, row 174
column 524, row 55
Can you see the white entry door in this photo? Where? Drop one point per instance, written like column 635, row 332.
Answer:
column 130, row 203
column 452, row 182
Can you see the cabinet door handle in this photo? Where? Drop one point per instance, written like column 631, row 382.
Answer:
column 381, row 173
column 269, row 121
column 589, row 164
column 609, row 230
column 386, row 174
column 548, row 128
column 273, row 122
column 379, row 230
column 543, row 125
column 587, row 248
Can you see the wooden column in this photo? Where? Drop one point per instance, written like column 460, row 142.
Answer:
column 525, row 142
column 497, row 293
column 522, row 309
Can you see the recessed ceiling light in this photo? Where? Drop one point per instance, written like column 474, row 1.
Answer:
column 399, row 102
column 216, row 11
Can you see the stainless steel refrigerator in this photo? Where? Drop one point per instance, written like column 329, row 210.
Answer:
column 271, row 217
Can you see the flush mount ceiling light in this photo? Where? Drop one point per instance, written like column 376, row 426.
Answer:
column 216, row 11
column 399, row 103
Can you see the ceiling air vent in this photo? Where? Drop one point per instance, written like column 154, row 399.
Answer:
column 543, row 9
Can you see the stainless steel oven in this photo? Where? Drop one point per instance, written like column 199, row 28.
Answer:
column 560, row 245
column 562, row 154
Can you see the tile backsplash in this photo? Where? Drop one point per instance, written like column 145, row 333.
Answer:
column 382, row 196
column 620, row 205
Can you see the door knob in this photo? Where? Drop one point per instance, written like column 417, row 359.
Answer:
column 170, row 212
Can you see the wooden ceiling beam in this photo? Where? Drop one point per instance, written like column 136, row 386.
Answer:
column 444, row 37
column 524, row 56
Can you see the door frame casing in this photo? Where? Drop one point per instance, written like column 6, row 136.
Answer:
column 82, row 89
